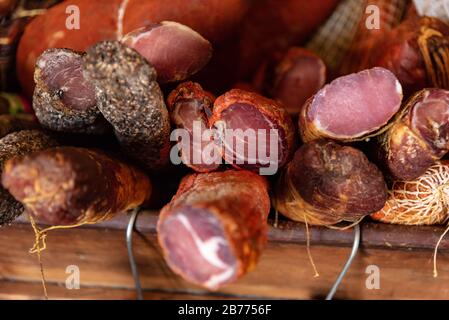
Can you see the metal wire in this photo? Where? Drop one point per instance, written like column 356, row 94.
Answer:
column 342, row 274
column 132, row 260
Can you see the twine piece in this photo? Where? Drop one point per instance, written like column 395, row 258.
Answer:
column 435, row 52
column 423, row 201
column 435, row 271
column 37, row 247
column 309, row 253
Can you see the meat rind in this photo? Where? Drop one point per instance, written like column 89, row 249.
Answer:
column 239, row 109
column 102, row 20
column 190, row 104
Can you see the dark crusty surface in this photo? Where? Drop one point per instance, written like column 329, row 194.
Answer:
column 129, row 97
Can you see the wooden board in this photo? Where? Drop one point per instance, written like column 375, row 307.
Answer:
column 402, row 254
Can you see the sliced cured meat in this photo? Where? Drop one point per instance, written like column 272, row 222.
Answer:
column 256, row 132
column 215, row 227
column 173, row 49
column 419, row 137
column 64, row 100
column 204, row 251
column 189, row 107
column 430, row 119
column 352, row 107
column 62, row 72
column 270, row 27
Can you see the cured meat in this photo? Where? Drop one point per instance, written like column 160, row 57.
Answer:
column 326, row 183
column 190, row 106
column 68, row 186
column 130, row 99
column 422, row 201
column 112, row 19
column 64, row 100
column 294, row 78
column 215, row 228
column 256, row 132
column 216, row 20
column 417, row 52
column 269, row 27
column 18, row 144
column 173, row 49
column 376, row 19
column 298, row 77
column 352, row 107
column 419, row 137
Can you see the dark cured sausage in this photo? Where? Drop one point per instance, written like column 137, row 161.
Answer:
column 67, row 185
column 326, row 183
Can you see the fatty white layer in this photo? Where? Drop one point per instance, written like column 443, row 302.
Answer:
column 209, row 251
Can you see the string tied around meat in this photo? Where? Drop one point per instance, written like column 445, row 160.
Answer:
column 291, row 201
column 40, row 241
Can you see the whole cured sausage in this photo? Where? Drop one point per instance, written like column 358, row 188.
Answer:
column 68, row 185
column 327, row 183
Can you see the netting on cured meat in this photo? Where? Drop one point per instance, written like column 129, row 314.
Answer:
column 423, row 201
